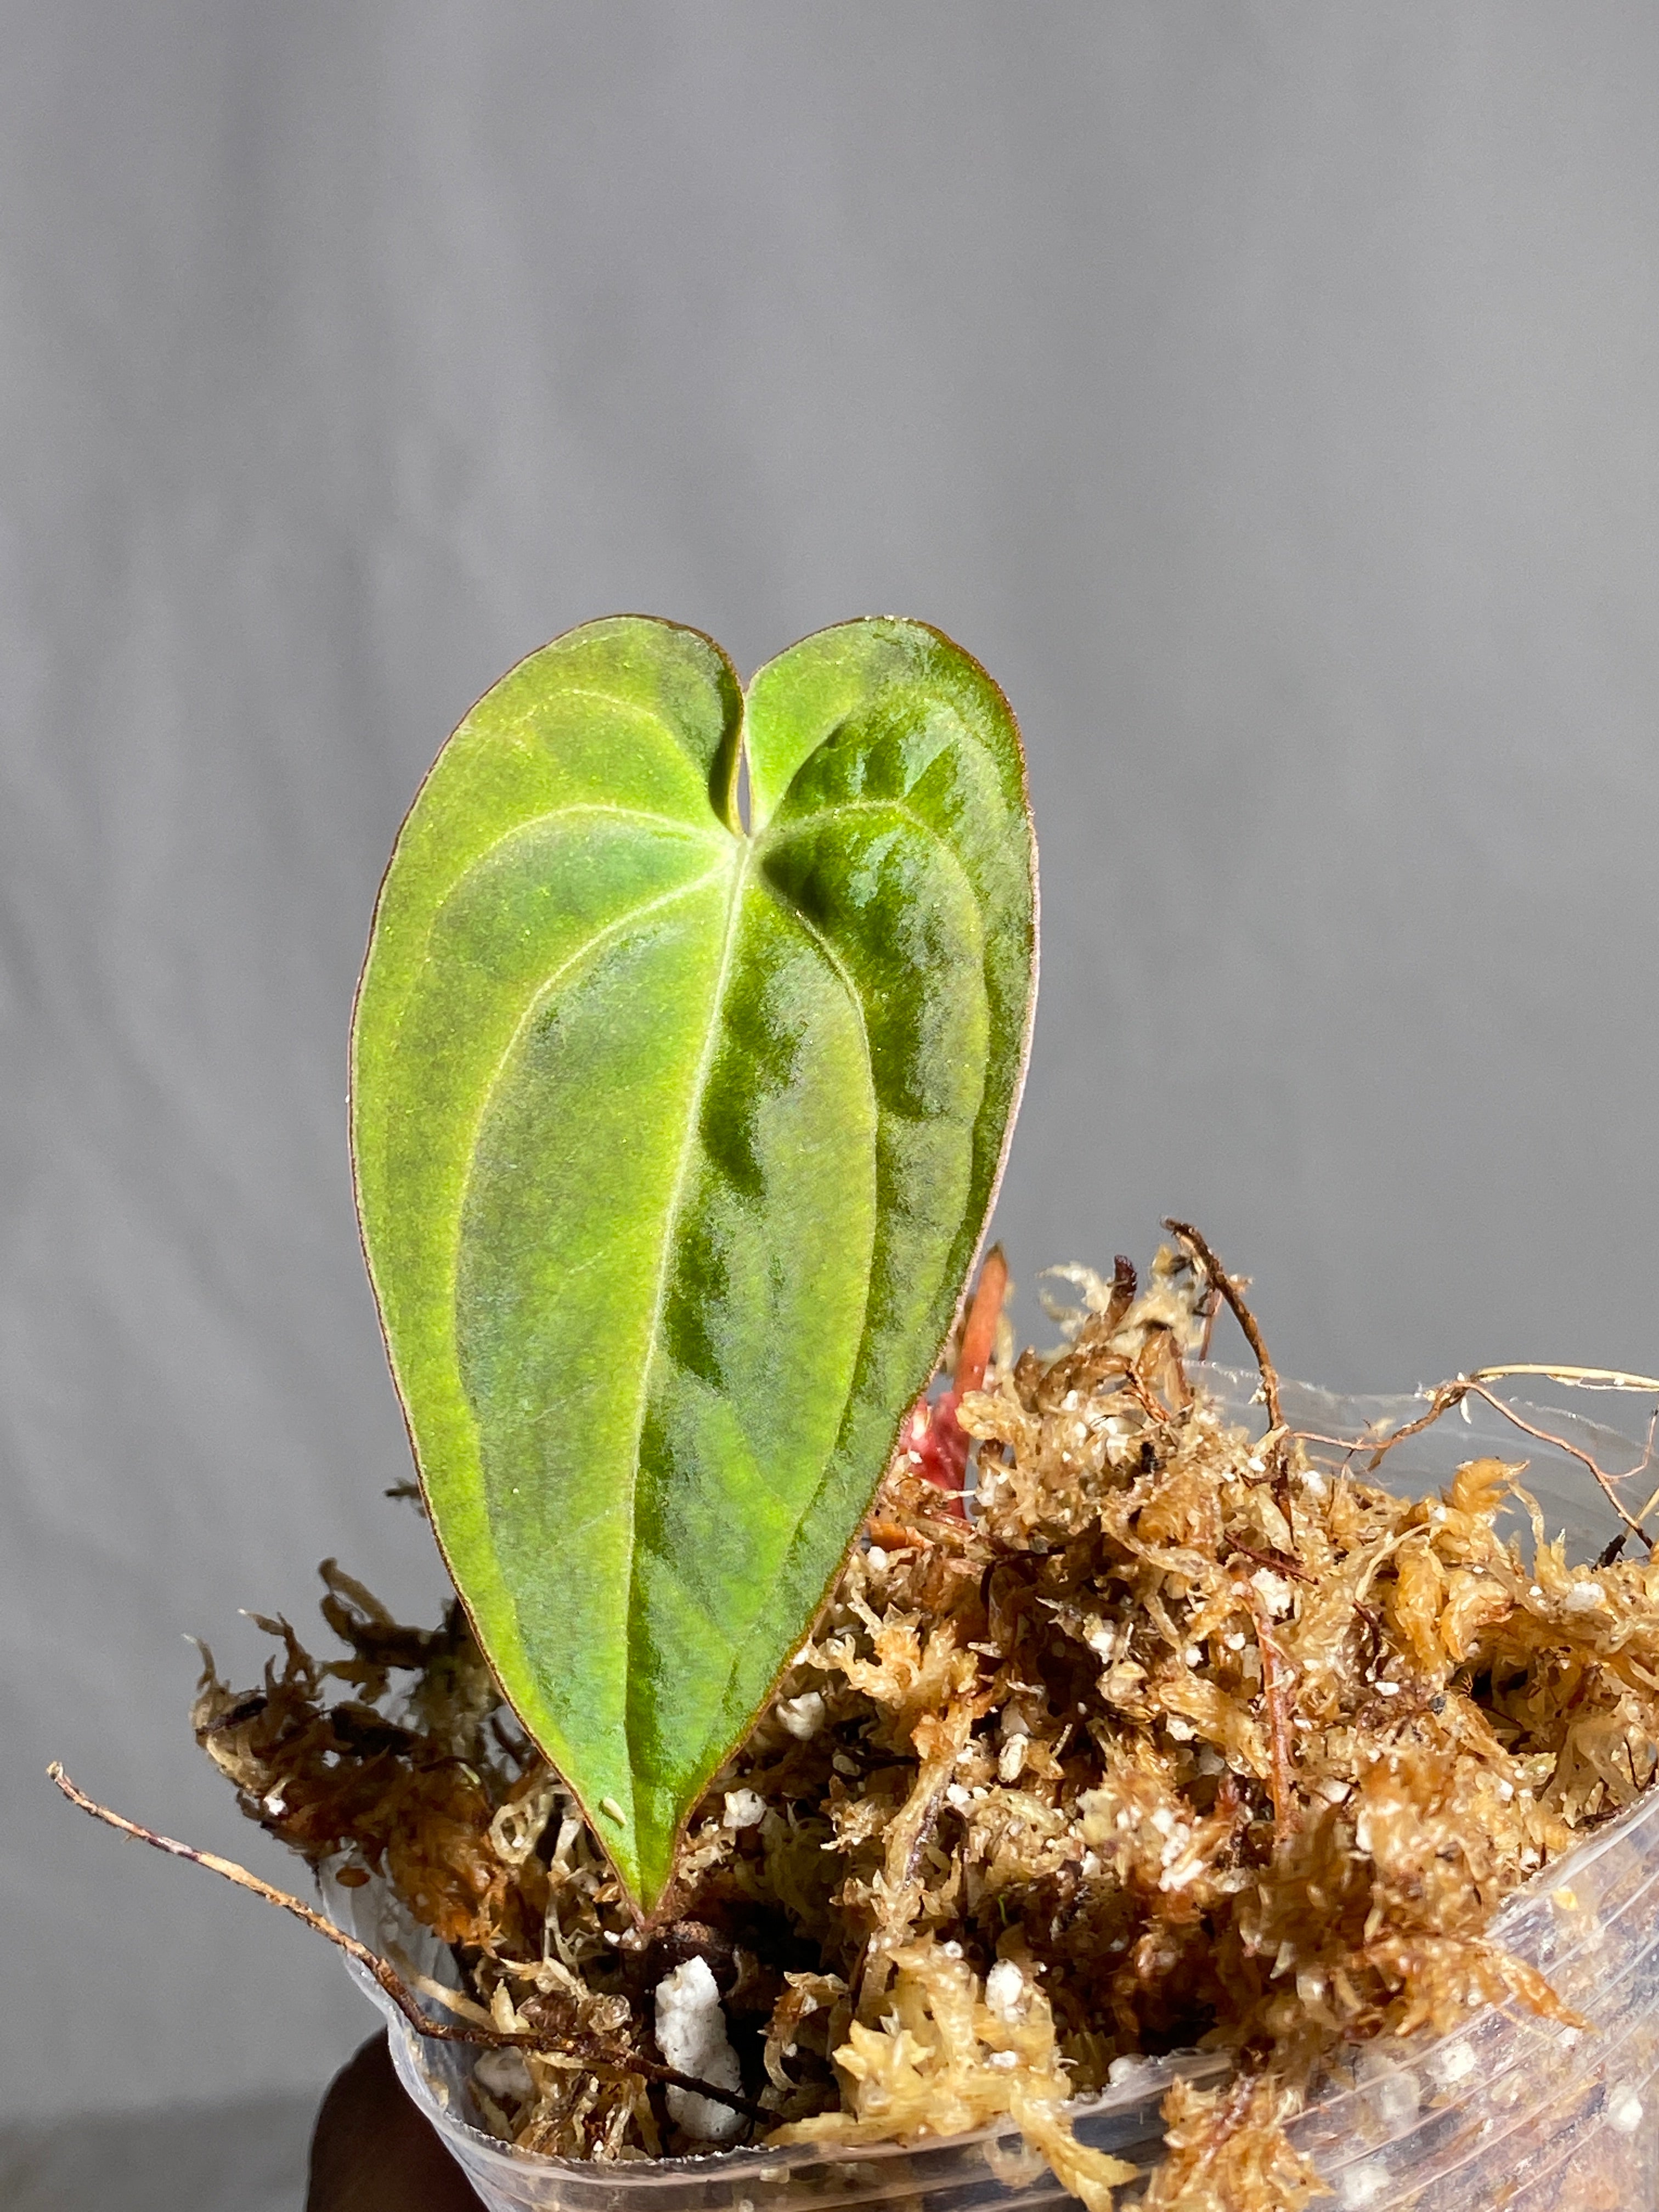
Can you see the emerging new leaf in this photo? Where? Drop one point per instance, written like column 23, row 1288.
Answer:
column 674, row 1140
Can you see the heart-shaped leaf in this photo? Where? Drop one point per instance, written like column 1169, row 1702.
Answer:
column 674, row 1140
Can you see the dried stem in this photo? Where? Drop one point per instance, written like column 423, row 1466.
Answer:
column 1211, row 1308
column 1277, row 1561
column 1275, row 1695
column 1229, row 2114
column 1122, row 1295
column 1222, row 1282
column 1278, row 1440
column 592, row 2056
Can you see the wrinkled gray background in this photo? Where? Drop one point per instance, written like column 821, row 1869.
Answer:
column 1267, row 393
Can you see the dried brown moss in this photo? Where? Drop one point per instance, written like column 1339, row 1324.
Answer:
column 1182, row 1738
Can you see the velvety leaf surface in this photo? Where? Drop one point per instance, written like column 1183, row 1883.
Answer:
column 673, row 1144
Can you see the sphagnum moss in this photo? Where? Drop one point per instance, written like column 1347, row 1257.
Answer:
column 1178, row 1737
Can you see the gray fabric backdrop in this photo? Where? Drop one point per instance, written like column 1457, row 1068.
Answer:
column 1267, row 393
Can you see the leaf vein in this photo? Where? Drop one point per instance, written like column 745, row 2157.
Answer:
column 489, row 1084
column 778, row 834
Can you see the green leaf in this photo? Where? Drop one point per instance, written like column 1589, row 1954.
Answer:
column 674, row 1142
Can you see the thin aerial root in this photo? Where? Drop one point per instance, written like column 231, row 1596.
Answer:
column 1544, row 1437
column 1646, row 1461
column 389, row 1979
column 1442, row 1401
column 1578, row 1378
column 1449, row 1394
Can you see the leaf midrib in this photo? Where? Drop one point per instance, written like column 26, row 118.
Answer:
column 665, row 1257
column 776, row 833
column 839, row 968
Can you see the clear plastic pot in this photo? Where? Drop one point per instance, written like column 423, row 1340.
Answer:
column 1512, row 2110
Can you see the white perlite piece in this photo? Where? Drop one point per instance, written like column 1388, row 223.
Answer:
column 691, row 2036
column 1454, row 2063
column 744, row 1808
column 1359, row 2185
column 803, row 1716
column 1005, row 1990
column 504, row 2074
column 1625, row 2112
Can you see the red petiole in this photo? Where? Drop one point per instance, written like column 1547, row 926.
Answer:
column 936, row 1443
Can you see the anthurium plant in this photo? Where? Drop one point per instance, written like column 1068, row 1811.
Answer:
column 683, row 1063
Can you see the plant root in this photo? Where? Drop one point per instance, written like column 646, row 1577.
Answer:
column 476, row 2031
